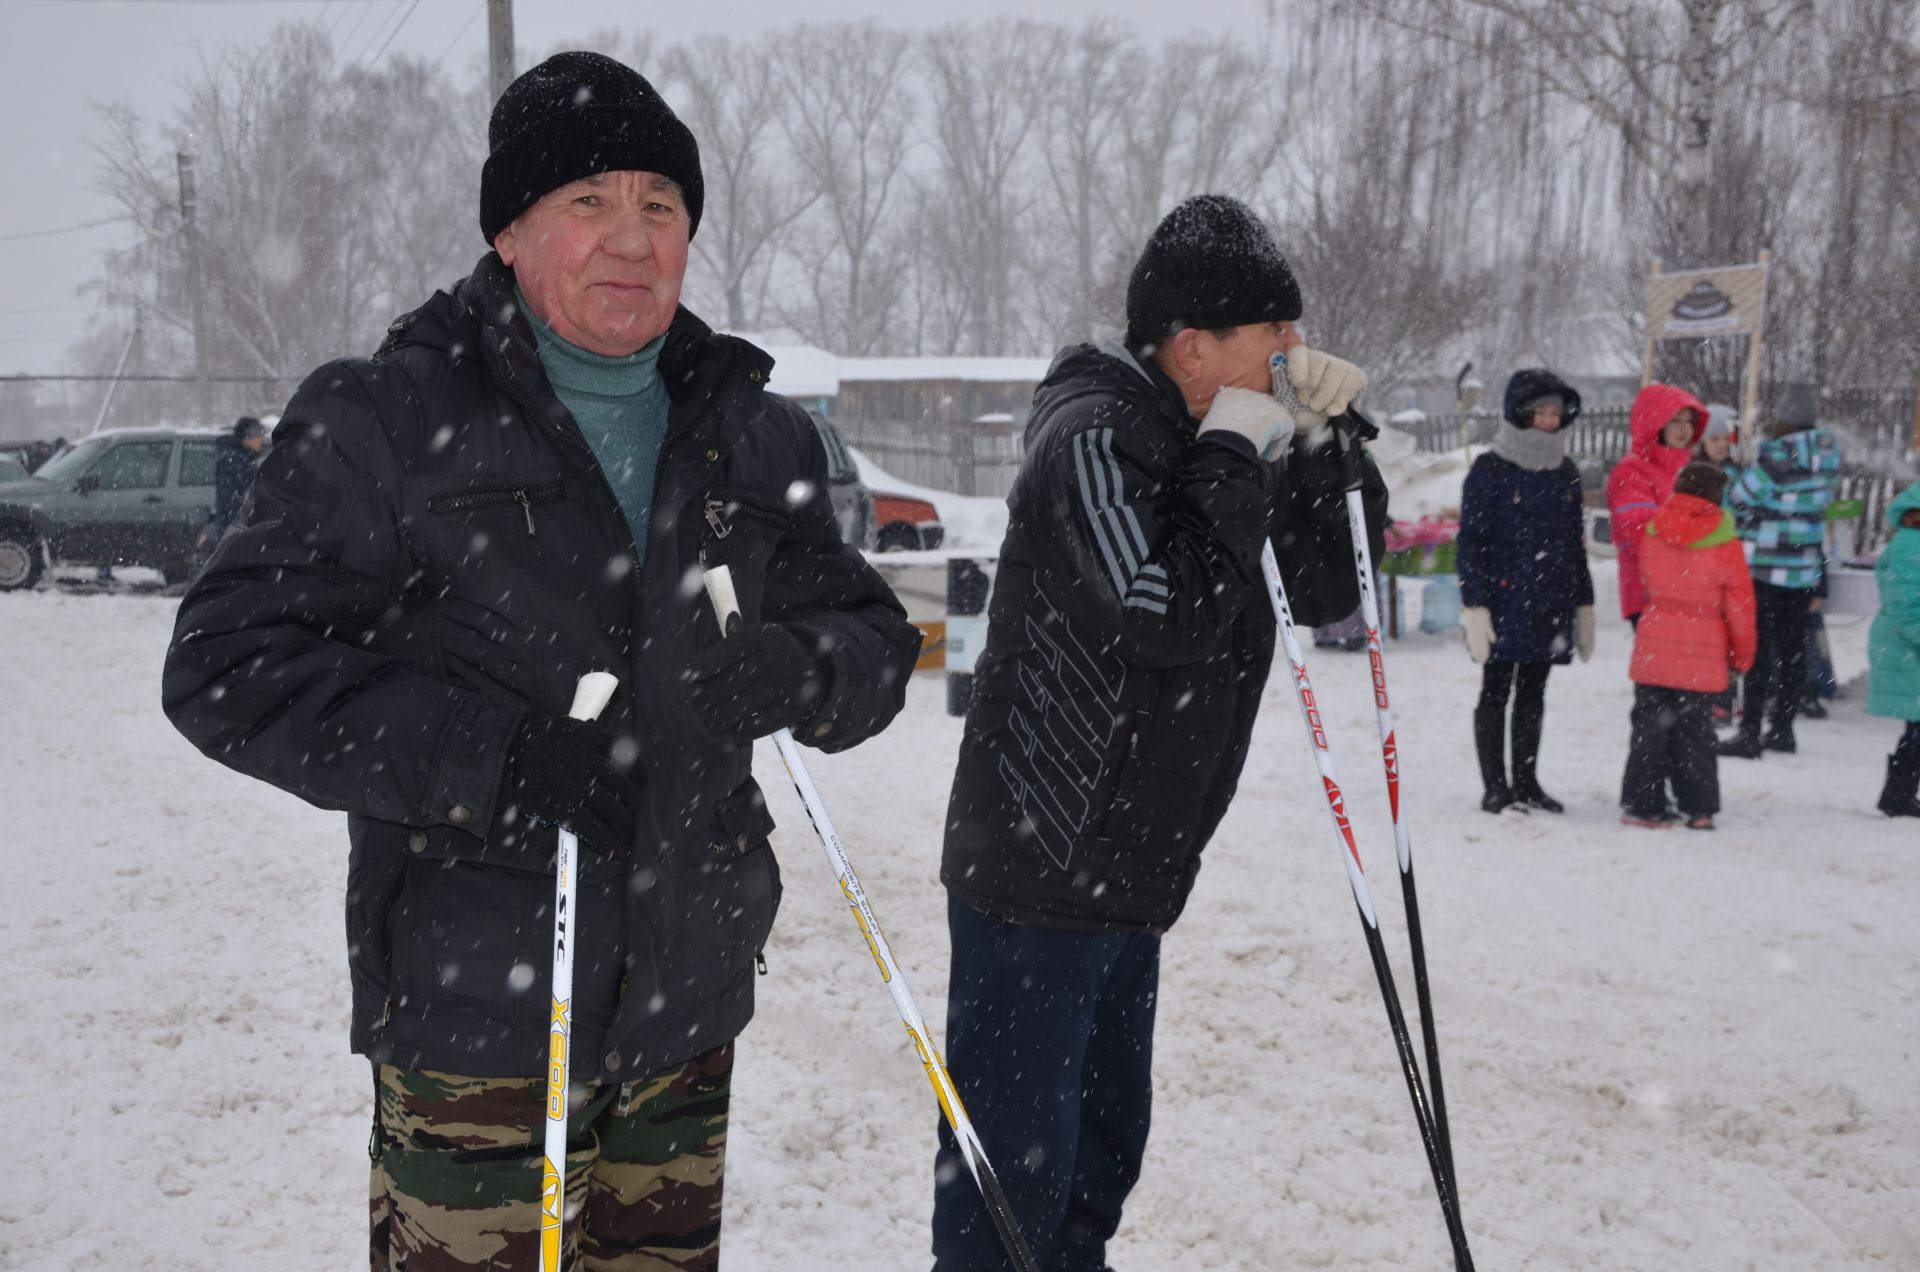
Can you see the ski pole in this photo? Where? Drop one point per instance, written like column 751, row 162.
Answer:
column 719, row 583
column 1363, row 898
column 1390, row 764
column 590, row 697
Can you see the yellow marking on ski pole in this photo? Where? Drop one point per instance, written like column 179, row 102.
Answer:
column 873, row 946
column 943, row 1087
column 550, row 1227
column 557, row 1035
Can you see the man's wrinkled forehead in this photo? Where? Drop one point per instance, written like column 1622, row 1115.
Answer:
column 654, row 182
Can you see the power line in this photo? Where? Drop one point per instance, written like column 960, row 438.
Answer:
column 369, row 62
column 156, row 3
column 354, row 30
column 396, row 30
column 373, row 36
column 66, row 229
column 151, row 379
column 471, row 19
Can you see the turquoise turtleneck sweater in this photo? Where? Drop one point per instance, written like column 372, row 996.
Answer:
column 620, row 405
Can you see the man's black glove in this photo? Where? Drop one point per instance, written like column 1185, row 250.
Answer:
column 558, row 772
column 758, row 679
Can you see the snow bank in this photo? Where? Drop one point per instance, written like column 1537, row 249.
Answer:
column 1664, row 1050
column 974, row 523
column 1420, row 484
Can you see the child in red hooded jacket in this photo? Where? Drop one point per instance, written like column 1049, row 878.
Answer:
column 1697, row 623
column 1665, row 421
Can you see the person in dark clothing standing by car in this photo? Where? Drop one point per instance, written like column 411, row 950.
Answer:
column 236, row 461
column 1128, row 644
column 1526, row 592
column 512, row 492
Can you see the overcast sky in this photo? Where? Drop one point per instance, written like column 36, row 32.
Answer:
column 58, row 57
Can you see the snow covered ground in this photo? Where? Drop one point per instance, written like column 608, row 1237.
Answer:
column 1664, row 1050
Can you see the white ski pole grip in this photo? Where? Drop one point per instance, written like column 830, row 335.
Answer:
column 590, row 698
column 726, row 602
column 592, row 694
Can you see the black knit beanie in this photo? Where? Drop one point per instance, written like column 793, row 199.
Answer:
column 1210, row 264
column 572, row 116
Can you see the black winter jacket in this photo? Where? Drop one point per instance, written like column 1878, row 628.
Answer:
column 431, row 552
column 1128, row 644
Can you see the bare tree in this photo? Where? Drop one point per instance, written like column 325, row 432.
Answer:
column 848, row 115
column 328, row 199
column 985, row 83
column 730, row 95
column 1655, row 72
column 1084, row 105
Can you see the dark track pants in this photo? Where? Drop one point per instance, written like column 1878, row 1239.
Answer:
column 1779, row 660
column 1672, row 741
column 1050, row 1043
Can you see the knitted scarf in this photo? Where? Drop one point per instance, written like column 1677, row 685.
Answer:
column 1530, row 448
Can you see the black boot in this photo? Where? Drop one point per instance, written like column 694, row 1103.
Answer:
column 1744, row 745
column 1526, row 790
column 1490, row 743
column 1900, row 797
column 1780, row 735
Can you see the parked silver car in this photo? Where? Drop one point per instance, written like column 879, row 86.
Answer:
column 852, row 503
column 134, row 497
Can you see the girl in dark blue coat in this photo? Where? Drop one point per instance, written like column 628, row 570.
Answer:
column 1526, row 594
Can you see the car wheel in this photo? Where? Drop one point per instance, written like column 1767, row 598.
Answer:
column 897, row 537
column 19, row 559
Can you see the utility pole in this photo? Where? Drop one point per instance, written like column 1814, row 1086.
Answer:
column 113, row 385
column 499, row 46
column 197, row 281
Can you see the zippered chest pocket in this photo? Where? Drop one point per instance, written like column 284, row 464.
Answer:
column 741, row 529
column 487, row 546
column 526, row 497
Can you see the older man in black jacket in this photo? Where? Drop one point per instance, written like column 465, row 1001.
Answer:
column 521, row 486
column 1128, row 644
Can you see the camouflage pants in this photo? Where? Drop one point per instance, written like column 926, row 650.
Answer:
column 457, row 1167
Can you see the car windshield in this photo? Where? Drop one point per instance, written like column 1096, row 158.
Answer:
column 70, row 463
column 12, row 469
column 839, row 464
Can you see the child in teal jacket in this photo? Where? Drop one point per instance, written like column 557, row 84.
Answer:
column 1893, row 654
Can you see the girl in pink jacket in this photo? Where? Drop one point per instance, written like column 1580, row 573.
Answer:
column 1665, row 421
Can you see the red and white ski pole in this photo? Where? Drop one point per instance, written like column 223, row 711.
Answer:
column 719, row 583
column 1390, row 765
column 1363, row 898
column 590, row 697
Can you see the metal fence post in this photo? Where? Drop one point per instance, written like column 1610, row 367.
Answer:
column 969, row 585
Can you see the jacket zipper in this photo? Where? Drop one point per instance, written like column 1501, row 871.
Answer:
column 525, row 496
column 715, row 510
